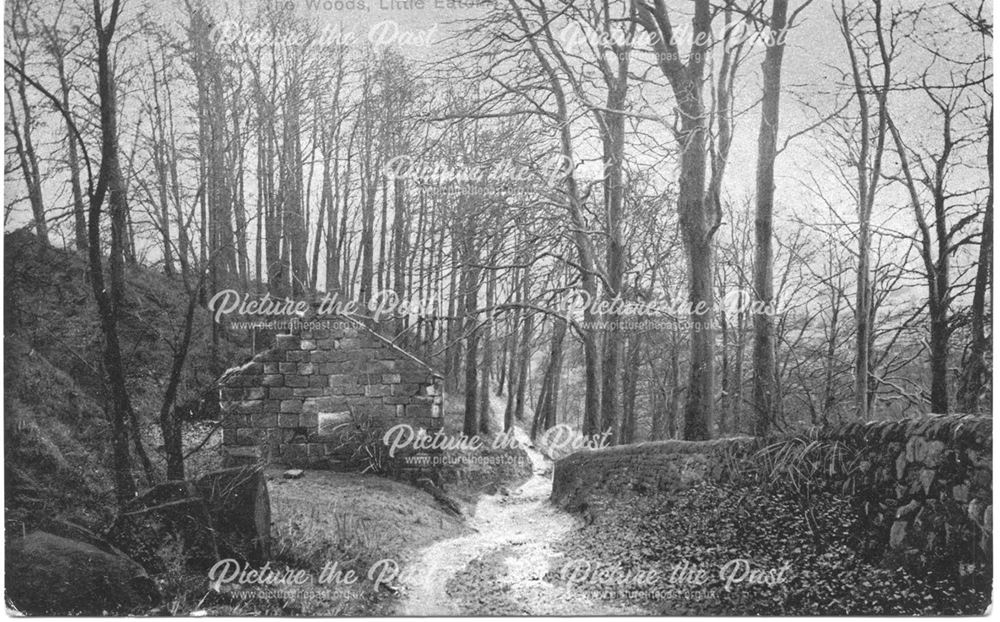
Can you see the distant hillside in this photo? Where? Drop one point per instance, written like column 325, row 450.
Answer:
column 57, row 451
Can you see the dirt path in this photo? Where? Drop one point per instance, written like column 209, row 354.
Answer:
column 500, row 568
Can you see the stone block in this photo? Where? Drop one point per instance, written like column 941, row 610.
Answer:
column 254, row 368
column 288, row 368
column 248, row 407
column 929, row 452
column 380, row 366
column 255, row 393
column 376, row 390
column 296, row 381
column 926, row 478
column 908, row 511
column 901, row 463
column 307, row 345
column 418, row 410
column 320, row 356
column 309, row 392
column 979, row 458
column 291, row 406
column 236, row 421
column 280, row 393
column 246, row 380
column 231, row 394
column 342, row 379
column 297, row 356
column 306, row 369
column 273, row 437
column 274, row 355
column 286, row 420
column 273, row 380
column 415, row 377
column 264, row 420
column 352, row 390
column 287, row 342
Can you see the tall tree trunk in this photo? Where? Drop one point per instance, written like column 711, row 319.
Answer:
column 400, row 235
column 524, row 362
column 869, row 167
column 582, row 241
column 79, row 209
column 24, row 146
column 630, row 385
column 238, row 201
column 614, row 192
column 111, row 184
column 975, row 376
column 295, row 233
column 548, row 398
column 471, row 422
column 452, row 355
column 487, row 338
column 763, row 274
column 697, row 226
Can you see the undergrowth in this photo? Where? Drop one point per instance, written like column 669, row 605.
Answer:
column 709, row 526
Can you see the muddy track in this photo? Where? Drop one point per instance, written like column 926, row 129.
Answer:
column 500, row 568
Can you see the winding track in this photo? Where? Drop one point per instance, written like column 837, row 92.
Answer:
column 515, row 531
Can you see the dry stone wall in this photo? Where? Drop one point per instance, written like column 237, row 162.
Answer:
column 313, row 397
column 660, row 466
column 922, row 487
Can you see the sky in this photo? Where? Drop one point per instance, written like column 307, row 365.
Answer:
column 814, row 61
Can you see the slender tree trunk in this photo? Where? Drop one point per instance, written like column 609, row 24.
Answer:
column 400, row 235
column 975, row 377
column 111, row 184
column 548, row 399
column 764, row 395
column 630, row 385
column 697, row 227
column 487, row 338
column 471, row 422
column 614, row 153
column 29, row 163
column 79, row 208
column 524, row 363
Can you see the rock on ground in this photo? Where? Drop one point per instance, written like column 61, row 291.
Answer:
column 48, row 574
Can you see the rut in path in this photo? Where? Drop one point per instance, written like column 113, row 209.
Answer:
column 503, row 563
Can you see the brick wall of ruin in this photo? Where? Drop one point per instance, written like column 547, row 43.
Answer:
column 310, row 399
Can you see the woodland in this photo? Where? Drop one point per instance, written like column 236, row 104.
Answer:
column 659, row 219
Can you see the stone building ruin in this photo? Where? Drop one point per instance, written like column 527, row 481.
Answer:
column 297, row 402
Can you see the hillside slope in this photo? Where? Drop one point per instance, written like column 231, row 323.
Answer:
column 56, row 450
